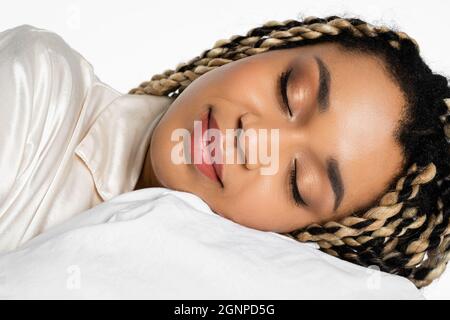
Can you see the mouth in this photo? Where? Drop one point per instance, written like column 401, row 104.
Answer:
column 199, row 142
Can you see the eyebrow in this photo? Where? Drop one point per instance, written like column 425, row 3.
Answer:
column 323, row 100
column 334, row 175
column 323, row 95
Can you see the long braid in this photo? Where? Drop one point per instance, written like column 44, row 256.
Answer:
column 406, row 231
column 272, row 35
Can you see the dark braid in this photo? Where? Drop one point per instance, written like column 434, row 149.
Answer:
column 406, row 230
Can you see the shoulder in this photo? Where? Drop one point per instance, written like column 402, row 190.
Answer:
column 34, row 50
column 44, row 84
column 23, row 37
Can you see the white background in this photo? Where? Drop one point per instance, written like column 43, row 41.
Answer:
column 128, row 41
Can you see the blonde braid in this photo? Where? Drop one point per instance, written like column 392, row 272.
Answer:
column 353, row 237
column 383, row 235
column 271, row 35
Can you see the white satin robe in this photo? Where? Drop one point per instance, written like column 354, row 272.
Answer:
column 68, row 141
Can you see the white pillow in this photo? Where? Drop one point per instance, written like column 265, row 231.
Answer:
column 161, row 244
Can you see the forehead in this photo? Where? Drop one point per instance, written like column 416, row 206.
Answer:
column 366, row 106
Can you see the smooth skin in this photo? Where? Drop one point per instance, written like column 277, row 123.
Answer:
column 357, row 130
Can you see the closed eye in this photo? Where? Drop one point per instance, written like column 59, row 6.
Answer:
column 283, row 85
column 298, row 199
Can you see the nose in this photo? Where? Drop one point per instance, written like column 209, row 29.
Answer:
column 264, row 137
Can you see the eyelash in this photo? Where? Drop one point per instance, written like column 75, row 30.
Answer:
column 294, row 187
column 283, row 81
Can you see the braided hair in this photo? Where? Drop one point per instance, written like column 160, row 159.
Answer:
column 406, row 230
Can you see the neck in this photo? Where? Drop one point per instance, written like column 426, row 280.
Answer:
column 147, row 178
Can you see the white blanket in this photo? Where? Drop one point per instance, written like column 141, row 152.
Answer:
column 162, row 244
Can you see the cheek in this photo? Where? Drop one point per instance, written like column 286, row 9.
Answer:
column 228, row 87
column 170, row 174
column 160, row 149
column 252, row 208
column 244, row 83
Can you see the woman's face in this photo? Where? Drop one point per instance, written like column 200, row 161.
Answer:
column 336, row 146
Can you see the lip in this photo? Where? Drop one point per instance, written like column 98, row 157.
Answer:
column 211, row 170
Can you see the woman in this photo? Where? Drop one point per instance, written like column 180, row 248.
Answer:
column 363, row 157
column 364, row 160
